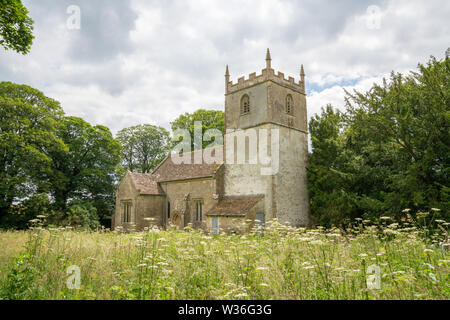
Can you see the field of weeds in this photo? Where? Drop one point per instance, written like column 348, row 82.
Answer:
column 370, row 260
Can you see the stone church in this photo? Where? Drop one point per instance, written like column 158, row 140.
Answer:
column 229, row 195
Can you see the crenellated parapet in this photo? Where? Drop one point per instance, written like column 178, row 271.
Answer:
column 267, row 74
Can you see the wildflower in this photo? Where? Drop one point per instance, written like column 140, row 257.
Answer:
column 385, row 218
column 427, row 251
column 406, row 210
column 41, row 216
column 398, row 272
column 363, row 255
column 390, row 231
column 142, row 265
column 308, row 267
column 429, row 265
column 422, row 214
column 241, row 295
column 440, row 221
column 433, row 277
column 261, row 268
column 435, row 209
column 264, row 285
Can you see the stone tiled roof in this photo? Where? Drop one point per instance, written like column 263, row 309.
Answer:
column 171, row 170
column 234, row 206
column 146, row 183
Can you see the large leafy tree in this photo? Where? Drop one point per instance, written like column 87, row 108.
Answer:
column 329, row 179
column 402, row 129
column 87, row 169
column 210, row 119
column 16, row 27
column 28, row 124
column 144, row 147
column 388, row 151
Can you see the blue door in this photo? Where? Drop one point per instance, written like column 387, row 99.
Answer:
column 260, row 222
column 215, row 225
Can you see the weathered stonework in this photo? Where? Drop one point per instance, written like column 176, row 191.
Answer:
column 233, row 196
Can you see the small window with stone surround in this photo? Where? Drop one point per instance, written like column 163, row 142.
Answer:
column 245, row 104
column 168, row 209
column 289, row 104
column 126, row 211
column 198, row 207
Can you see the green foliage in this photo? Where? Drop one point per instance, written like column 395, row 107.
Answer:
column 285, row 263
column 16, row 27
column 87, row 168
column 388, row 151
column 143, row 147
column 211, row 119
column 19, row 280
column 82, row 214
column 28, row 124
column 20, row 215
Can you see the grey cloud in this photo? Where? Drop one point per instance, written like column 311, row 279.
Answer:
column 105, row 26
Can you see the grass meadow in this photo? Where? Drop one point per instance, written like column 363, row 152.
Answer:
column 370, row 260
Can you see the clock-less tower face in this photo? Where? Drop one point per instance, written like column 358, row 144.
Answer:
column 267, row 100
column 268, row 103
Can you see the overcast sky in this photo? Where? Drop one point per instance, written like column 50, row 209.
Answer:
column 134, row 62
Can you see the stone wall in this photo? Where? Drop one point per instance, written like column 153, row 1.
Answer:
column 182, row 194
column 233, row 224
column 142, row 206
column 286, row 194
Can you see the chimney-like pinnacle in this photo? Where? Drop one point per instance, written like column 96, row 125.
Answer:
column 227, row 79
column 302, row 74
column 268, row 59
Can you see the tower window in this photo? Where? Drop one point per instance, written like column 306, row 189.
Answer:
column 245, row 104
column 289, row 104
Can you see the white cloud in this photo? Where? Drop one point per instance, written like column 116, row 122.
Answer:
column 149, row 61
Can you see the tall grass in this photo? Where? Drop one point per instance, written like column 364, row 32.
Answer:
column 284, row 263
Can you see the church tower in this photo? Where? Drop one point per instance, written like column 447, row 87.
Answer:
column 266, row 115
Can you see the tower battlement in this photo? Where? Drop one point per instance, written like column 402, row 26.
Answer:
column 267, row 74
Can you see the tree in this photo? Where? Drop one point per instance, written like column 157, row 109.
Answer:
column 402, row 129
column 16, row 27
column 144, row 147
column 387, row 152
column 330, row 182
column 210, row 119
column 87, row 169
column 28, row 124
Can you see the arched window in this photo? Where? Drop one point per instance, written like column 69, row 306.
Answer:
column 245, row 104
column 289, row 104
